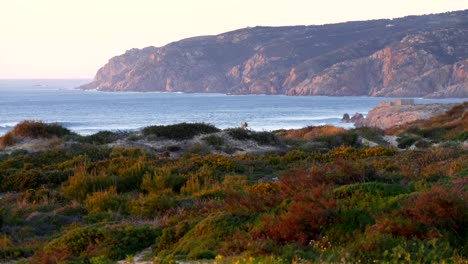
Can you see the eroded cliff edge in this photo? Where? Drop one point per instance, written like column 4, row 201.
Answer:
column 415, row 56
column 390, row 115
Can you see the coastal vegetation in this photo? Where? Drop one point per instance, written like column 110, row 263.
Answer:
column 319, row 194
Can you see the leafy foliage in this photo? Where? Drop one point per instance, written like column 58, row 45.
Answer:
column 263, row 137
column 101, row 137
column 180, row 131
column 342, row 203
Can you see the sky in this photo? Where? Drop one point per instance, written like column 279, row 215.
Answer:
column 74, row 38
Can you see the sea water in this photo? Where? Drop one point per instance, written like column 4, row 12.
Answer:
column 87, row 112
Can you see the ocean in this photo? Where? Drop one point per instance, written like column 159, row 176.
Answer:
column 87, row 112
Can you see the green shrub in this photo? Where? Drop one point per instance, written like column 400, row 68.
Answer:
column 180, row 131
column 173, row 148
column 129, row 239
column 102, row 217
column 112, row 241
column 106, row 201
column 434, row 133
column 371, row 133
column 100, row 260
column 214, row 140
column 348, row 138
column 371, row 246
column 263, row 137
column 387, row 248
column 24, row 179
column 312, row 146
column 71, row 210
column 151, row 205
column 373, row 188
column 203, row 254
column 162, row 179
column 77, row 240
column 102, row 137
column 198, row 149
column 348, row 222
column 80, row 185
column 239, row 133
column 423, row 143
column 166, row 239
column 462, row 136
column 407, row 140
column 12, row 253
column 209, row 234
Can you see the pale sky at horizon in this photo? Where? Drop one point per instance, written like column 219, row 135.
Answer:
column 73, row 39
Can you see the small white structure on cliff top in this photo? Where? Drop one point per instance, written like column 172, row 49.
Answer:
column 398, row 102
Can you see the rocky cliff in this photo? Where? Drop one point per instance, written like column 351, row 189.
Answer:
column 415, row 56
column 389, row 116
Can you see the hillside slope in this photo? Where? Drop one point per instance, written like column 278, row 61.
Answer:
column 415, row 56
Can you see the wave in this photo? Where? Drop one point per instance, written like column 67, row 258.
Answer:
column 8, row 124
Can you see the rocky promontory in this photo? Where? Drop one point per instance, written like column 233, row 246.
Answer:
column 414, row 56
column 399, row 112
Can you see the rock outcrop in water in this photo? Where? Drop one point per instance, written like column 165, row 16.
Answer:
column 415, row 56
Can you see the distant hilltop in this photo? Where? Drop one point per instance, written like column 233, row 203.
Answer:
column 414, row 56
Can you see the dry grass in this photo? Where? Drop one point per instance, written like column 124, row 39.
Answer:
column 7, row 140
column 34, row 130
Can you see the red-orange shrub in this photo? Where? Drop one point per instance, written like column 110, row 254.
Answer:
column 310, row 209
column 441, row 207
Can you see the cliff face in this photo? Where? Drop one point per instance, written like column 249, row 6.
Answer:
column 423, row 56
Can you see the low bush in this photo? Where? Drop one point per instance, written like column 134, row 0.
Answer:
column 407, row 140
column 106, row 201
column 112, row 241
column 372, row 133
column 173, row 148
column 82, row 184
column 371, row 188
column 151, row 205
column 348, row 138
column 38, row 129
column 265, row 138
column 463, row 136
column 239, row 133
column 262, row 138
column 102, row 137
column 213, row 140
column 444, row 209
column 33, row 129
column 12, row 252
column 180, row 131
column 7, row 140
column 436, row 133
column 422, row 143
column 206, row 238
